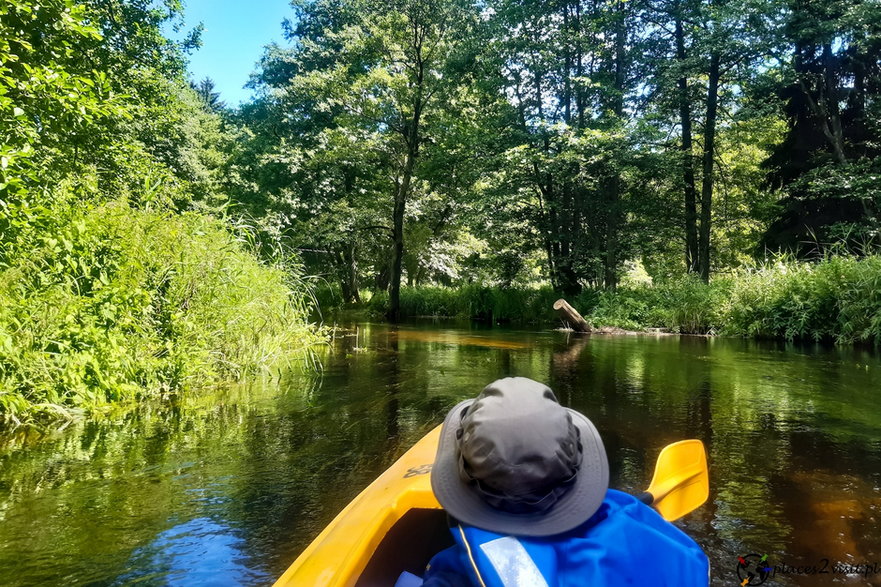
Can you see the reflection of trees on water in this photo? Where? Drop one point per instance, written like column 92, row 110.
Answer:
column 777, row 458
column 88, row 499
column 698, row 387
column 791, row 434
column 391, row 390
column 565, row 366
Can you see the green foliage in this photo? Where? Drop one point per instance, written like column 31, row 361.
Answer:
column 355, row 105
column 545, row 143
column 501, row 147
column 831, row 148
column 834, row 299
column 547, row 146
column 830, row 207
column 47, row 99
column 685, row 305
column 490, row 304
column 106, row 293
column 107, row 303
column 210, row 99
column 95, row 89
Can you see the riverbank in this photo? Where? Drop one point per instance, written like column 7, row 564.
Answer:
column 837, row 299
column 106, row 304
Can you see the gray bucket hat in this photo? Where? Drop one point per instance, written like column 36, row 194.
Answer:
column 514, row 461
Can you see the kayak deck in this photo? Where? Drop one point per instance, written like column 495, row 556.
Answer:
column 395, row 524
column 408, row 546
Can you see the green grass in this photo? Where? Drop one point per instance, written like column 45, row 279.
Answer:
column 836, row 299
column 685, row 305
column 102, row 304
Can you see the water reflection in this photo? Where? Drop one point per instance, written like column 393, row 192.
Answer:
column 197, row 552
column 241, row 479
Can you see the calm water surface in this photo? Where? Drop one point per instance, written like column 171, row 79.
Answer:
column 227, row 487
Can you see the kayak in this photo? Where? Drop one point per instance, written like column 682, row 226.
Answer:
column 397, row 524
column 394, row 525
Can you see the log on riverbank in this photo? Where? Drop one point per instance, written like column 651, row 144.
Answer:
column 571, row 317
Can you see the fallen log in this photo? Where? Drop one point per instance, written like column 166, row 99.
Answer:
column 571, row 317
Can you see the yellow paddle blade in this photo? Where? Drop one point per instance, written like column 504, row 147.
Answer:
column 681, row 482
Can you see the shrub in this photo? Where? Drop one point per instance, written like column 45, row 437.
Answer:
column 108, row 303
column 836, row 299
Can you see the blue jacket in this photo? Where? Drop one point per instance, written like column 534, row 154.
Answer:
column 624, row 543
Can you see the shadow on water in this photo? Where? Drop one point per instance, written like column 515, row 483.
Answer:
column 232, row 484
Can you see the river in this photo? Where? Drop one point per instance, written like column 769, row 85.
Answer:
column 229, row 485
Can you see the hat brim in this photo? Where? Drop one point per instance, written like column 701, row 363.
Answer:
column 574, row 508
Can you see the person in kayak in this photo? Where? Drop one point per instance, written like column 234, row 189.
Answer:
column 526, row 482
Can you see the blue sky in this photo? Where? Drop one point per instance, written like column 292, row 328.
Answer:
column 235, row 33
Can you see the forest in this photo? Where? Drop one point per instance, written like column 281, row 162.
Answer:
column 455, row 158
column 703, row 166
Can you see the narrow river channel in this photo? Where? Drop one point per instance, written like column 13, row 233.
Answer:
column 228, row 486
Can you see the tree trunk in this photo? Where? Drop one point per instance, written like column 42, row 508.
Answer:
column 571, row 317
column 549, row 247
column 568, row 236
column 340, row 262
column 610, row 264
column 708, row 165
column 567, row 68
column 825, row 107
column 394, row 311
column 691, row 240
column 352, row 272
column 382, row 278
column 412, row 139
column 831, row 99
column 411, row 132
column 579, row 67
column 610, row 273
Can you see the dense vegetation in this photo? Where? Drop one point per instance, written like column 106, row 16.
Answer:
column 836, row 299
column 119, row 275
column 649, row 160
column 557, row 144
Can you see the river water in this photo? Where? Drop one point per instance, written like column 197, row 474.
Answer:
column 228, row 486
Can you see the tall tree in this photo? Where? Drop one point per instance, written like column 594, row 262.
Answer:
column 567, row 69
column 205, row 90
column 688, row 182
column 374, row 83
column 831, row 79
column 709, row 163
column 716, row 47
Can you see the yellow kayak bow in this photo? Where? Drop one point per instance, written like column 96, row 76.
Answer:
column 396, row 524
